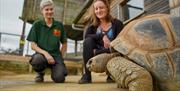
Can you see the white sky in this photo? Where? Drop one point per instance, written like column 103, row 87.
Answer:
column 10, row 11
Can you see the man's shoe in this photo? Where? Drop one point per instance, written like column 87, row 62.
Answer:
column 85, row 79
column 39, row 77
column 110, row 80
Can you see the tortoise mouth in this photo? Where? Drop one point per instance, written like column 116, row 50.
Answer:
column 112, row 50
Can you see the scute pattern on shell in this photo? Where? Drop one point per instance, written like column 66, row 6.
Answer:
column 153, row 42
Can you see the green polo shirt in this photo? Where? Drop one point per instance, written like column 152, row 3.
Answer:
column 48, row 38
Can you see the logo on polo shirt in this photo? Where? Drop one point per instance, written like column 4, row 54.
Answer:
column 56, row 32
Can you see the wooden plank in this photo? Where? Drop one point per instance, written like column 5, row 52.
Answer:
column 174, row 3
column 156, row 6
column 14, row 58
column 31, row 10
column 69, row 63
column 175, row 11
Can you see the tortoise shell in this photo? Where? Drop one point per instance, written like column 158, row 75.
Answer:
column 153, row 42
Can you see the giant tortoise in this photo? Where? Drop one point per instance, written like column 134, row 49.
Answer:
column 146, row 55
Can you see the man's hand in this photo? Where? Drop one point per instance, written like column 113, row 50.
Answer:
column 63, row 49
column 49, row 58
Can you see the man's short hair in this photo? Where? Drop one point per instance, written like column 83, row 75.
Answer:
column 45, row 3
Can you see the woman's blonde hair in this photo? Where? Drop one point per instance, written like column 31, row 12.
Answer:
column 95, row 21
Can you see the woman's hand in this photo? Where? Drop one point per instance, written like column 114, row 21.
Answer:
column 49, row 58
column 106, row 41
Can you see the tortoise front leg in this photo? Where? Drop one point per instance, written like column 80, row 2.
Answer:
column 129, row 75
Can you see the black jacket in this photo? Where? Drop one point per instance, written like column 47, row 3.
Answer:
column 117, row 26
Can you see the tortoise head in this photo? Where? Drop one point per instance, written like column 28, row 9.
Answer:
column 98, row 63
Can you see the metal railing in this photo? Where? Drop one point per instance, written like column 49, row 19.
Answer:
column 10, row 44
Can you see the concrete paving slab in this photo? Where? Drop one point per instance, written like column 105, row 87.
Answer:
column 26, row 83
